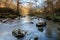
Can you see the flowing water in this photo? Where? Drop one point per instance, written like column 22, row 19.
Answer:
column 50, row 30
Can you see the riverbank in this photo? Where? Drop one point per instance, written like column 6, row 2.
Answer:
column 49, row 17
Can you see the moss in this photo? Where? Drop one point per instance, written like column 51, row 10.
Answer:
column 8, row 13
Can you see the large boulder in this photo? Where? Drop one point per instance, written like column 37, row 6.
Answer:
column 41, row 23
column 18, row 33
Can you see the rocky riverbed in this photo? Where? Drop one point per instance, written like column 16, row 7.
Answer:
column 28, row 24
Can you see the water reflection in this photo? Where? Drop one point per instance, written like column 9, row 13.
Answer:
column 28, row 24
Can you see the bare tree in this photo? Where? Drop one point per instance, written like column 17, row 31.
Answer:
column 0, row 3
column 36, row 2
column 8, row 2
column 18, row 6
column 49, row 7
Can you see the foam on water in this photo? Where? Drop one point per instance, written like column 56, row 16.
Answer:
column 23, row 24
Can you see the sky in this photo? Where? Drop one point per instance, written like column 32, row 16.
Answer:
column 39, row 2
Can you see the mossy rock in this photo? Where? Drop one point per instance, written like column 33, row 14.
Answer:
column 18, row 33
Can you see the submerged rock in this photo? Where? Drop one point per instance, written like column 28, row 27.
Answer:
column 58, row 29
column 40, row 29
column 56, row 20
column 0, row 20
column 36, row 38
column 32, row 22
column 18, row 33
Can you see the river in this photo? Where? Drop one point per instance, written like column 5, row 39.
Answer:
column 50, row 31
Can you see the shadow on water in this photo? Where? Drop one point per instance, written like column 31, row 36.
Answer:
column 50, row 32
